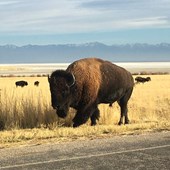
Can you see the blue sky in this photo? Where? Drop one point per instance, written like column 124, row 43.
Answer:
column 80, row 21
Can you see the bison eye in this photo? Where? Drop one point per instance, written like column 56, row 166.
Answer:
column 64, row 93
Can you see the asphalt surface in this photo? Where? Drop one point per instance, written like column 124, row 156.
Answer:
column 134, row 152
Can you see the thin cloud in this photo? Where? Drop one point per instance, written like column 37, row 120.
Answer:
column 2, row 3
column 71, row 16
column 149, row 22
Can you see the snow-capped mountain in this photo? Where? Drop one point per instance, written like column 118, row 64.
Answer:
column 70, row 52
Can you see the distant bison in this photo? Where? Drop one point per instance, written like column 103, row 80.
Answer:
column 21, row 83
column 87, row 83
column 142, row 79
column 36, row 83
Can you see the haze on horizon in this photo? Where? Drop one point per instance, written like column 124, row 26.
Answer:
column 44, row 22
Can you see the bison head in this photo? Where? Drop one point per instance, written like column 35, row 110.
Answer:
column 60, row 86
column 148, row 79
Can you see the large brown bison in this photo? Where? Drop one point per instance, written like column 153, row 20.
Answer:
column 87, row 83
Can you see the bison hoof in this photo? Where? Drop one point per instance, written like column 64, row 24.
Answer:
column 93, row 123
column 120, row 123
column 126, row 122
column 75, row 125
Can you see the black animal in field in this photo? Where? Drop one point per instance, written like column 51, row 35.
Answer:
column 87, row 83
column 36, row 83
column 142, row 79
column 21, row 83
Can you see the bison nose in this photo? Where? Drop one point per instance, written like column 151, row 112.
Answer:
column 56, row 106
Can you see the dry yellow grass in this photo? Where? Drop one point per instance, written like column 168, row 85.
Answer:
column 26, row 114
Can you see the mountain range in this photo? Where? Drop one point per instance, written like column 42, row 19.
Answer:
column 70, row 52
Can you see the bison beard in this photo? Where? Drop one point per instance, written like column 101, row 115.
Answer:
column 87, row 83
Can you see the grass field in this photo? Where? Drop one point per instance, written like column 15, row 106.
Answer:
column 26, row 114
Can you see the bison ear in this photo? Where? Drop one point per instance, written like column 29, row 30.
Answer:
column 70, row 79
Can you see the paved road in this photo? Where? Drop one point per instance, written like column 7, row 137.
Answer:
column 135, row 152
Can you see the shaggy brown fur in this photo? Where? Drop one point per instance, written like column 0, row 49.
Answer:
column 96, row 81
column 88, row 78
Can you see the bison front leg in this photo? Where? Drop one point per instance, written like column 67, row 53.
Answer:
column 83, row 115
column 95, row 116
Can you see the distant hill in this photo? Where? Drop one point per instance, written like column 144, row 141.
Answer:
column 71, row 52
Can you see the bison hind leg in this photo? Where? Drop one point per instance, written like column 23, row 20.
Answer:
column 124, row 114
column 123, row 105
column 95, row 116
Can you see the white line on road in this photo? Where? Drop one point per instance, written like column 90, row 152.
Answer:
column 83, row 157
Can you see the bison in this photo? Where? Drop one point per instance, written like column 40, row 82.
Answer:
column 142, row 79
column 87, row 83
column 21, row 83
column 36, row 83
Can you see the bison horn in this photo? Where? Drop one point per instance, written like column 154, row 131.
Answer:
column 72, row 82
